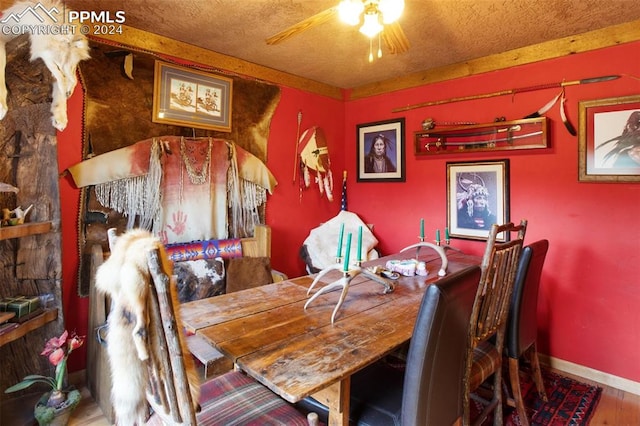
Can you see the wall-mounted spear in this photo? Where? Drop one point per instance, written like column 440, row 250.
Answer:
column 508, row 92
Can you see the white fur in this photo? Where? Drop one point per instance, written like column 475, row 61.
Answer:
column 125, row 277
column 61, row 54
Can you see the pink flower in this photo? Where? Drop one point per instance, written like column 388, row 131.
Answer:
column 56, row 350
column 55, row 343
column 56, row 356
column 75, row 342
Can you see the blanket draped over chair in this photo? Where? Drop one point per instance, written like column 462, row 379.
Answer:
column 118, row 114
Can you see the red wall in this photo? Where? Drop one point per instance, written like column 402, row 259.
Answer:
column 590, row 299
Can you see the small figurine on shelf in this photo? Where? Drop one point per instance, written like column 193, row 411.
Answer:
column 16, row 216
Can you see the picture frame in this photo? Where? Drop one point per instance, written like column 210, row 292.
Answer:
column 467, row 184
column 191, row 98
column 390, row 165
column 608, row 140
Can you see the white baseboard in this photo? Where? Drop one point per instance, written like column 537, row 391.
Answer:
column 591, row 374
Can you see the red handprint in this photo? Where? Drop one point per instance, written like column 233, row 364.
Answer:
column 179, row 220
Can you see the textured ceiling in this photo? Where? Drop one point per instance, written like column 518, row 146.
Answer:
column 441, row 32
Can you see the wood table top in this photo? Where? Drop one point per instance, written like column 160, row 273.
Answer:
column 297, row 352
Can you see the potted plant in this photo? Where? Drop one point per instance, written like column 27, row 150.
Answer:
column 55, row 406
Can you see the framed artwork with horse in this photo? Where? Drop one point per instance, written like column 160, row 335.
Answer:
column 191, row 98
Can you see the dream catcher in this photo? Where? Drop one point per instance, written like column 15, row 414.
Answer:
column 312, row 155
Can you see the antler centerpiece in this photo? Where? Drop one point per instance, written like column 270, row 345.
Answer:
column 347, row 276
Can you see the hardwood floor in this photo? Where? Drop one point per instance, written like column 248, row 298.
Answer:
column 616, row 408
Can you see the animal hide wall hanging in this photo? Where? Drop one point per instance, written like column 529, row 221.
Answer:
column 118, row 113
column 60, row 50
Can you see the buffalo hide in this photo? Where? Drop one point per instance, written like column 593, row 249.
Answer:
column 118, row 113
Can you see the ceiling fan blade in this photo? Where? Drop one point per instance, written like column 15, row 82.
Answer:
column 312, row 21
column 394, row 38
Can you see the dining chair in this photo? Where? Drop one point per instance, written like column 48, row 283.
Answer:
column 488, row 321
column 427, row 391
column 522, row 323
column 229, row 399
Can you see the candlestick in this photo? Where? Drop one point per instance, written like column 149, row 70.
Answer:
column 345, row 267
column 437, row 235
column 421, row 229
column 359, row 244
column 339, row 254
column 446, row 233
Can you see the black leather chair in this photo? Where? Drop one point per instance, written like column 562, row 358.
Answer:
column 522, row 325
column 428, row 390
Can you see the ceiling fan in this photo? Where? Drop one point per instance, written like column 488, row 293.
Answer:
column 378, row 18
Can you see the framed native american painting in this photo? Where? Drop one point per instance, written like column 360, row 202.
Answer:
column 381, row 156
column 609, row 140
column 477, row 197
column 191, row 98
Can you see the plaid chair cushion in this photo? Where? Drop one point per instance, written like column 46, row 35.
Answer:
column 486, row 360
column 233, row 399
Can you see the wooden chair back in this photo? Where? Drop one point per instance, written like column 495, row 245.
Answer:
column 488, row 319
column 170, row 385
column 493, row 297
column 168, row 393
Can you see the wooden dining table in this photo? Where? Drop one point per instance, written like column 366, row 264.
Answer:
column 297, row 353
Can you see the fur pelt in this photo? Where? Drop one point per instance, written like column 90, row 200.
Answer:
column 61, row 50
column 125, row 277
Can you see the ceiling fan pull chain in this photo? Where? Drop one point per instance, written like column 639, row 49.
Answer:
column 370, row 50
column 379, row 47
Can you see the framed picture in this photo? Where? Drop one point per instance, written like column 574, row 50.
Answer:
column 381, row 151
column 477, row 197
column 609, row 140
column 191, row 98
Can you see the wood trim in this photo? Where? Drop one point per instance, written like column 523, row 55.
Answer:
column 597, row 39
column 29, row 325
column 29, row 228
column 606, row 37
column 591, row 374
column 158, row 44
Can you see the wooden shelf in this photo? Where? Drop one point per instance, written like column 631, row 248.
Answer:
column 24, row 230
column 29, row 325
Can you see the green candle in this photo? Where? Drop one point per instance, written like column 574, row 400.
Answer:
column 345, row 266
column 437, row 235
column 360, row 243
column 340, row 240
column 446, row 234
column 422, row 228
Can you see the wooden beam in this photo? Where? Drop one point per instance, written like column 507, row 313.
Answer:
column 136, row 38
column 597, row 39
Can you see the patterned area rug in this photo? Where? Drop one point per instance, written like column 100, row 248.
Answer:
column 570, row 402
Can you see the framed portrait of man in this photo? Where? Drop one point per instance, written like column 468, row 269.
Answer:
column 381, row 156
column 477, row 198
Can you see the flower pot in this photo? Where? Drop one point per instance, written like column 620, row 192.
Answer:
column 59, row 414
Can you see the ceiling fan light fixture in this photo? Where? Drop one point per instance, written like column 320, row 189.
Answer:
column 371, row 26
column 391, row 10
column 349, row 11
